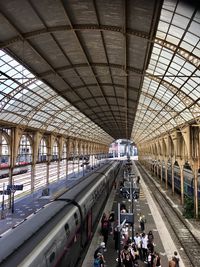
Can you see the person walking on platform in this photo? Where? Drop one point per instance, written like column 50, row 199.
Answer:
column 150, row 259
column 172, row 262
column 99, row 260
column 176, row 258
column 144, row 247
column 134, row 251
column 127, row 257
column 104, row 217
column 150, row 237
column 138, row 243
column 116, row 236
column 150, row 247
column 100, row 249
column 105, row 231
column 111, row 219
column 157, row 261
column 142, row 221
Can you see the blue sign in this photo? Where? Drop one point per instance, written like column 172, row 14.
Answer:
column 15, row 187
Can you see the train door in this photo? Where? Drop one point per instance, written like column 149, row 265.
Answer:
column 51, row 256
column 89, row 224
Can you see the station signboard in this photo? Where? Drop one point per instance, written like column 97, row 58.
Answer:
column 15, row 187
column 128, row 217
column 5, row 192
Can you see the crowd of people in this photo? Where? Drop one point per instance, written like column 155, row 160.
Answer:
column 141, row 248
column 131, row 251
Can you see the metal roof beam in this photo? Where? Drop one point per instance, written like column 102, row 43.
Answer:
column 76, row 27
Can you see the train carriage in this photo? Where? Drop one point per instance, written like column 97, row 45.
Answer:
column 59, row 234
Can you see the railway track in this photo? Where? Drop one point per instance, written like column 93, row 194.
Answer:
column 178, row 224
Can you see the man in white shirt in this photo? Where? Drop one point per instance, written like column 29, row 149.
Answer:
column 144, row 246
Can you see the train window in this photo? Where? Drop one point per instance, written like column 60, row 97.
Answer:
column 85, row 210
column 67, row 231
column 50, row 256
column 76, row 218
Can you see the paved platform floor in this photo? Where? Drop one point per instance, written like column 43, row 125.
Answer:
column 164, row 244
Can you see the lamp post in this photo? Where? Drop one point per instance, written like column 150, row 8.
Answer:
column 119, row 236
column 132, row 206
column 119, row 228
column 2, row 204
column 13, row 199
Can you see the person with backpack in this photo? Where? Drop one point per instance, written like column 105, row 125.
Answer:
column 127, row 257
column 99, row 260
column 100, row 249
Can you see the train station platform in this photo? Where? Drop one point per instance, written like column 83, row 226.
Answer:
column 163, row 243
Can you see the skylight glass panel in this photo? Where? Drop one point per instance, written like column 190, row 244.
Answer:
column 9, row 71
column 156, row 106
column 180, row 21
column 146, row 101
column 35, row 124
column 166, row 55
column 194, row 28
column 50, row 128
column 9, row 83
column 15, row 65
column 189, row 67
column 185, row 71
column 196, row 51
column 5, row 68
column 164, row 96
column 156, row 49
column 6, row 58
column 175, row 31
column 178, row 82
column 195, row 94
column 166, row 15
column 175, row 17
column 176, row 104
column 187, row 115
column 4, row 89
column 39, row 116
column 193, row 83
column 191, row 39
column 163, row 26
column 173, row 39
column 179, row 60
column 187, row 88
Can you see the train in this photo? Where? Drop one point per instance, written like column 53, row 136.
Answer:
column 60, row 232
column 20, row 168
column 188, row 180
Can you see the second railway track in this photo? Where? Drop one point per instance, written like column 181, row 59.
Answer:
column 178, row 224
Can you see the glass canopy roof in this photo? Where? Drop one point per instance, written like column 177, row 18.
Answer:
column 170, row 94
column 25, row 100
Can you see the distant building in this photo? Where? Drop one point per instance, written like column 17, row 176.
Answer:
column 122, row 148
